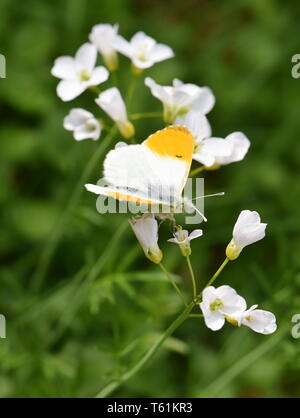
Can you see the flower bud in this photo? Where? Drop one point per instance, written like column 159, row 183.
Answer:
column 126, row 129
column 247, row 230
column 145, row 229
column 232, row 250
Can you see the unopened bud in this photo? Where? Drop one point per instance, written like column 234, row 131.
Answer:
column 232, row 250
column 126, row 129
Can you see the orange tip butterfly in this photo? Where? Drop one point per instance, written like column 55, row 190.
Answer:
column 152, row 173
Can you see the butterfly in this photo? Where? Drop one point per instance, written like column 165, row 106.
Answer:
column 151, row 173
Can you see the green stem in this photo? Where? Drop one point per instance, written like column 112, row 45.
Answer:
column 113, row 385
column 169, row 277
column 188, row 260
column 130, row 91
column 57, row 233
column 217, row 273
column 114, row 78
column 145, row 115
column 196, row 171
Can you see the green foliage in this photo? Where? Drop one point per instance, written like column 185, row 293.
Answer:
column 101, row 304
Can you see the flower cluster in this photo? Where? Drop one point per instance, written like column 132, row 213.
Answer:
column 183, row 104
column 223, row 303
column 80, row 73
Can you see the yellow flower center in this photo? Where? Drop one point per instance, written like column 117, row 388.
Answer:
column 232, row 321
column 84, row 75
column 216, row 305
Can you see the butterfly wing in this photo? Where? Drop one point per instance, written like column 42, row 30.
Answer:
column 123, row 195
column 155, row 170
column 173, row 148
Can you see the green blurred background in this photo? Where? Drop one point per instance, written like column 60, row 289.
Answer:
column 90, row 316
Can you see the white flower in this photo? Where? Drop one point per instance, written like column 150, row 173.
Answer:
column 263, row 322
column 181, row 98
column 112, row 103
column 214, row 152
column 247, row 230
column 218, row 303
column 143, row 50
column 146, row 230
column 183, row 238
column 79, row 73
column 83, row 124
column 103, row 36
column 196, row 123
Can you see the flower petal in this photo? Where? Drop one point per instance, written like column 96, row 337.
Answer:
column 248, row 228
column 84, row 131
column 103, row 37
column 64, row 68
column 123, row 46
column 160, row 52
column 113, row 104
column 196, row 123
column 67, row 90
column 213, row 320
column 86, row 57
column 99, row 75
column 75, row 118
column 205, row 100
column 160, row 92
column 195, row 234
column 263, row 322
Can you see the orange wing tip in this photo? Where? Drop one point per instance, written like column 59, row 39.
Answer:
column 175, row 141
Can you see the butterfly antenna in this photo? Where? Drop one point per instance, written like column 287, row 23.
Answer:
column 200, row 213
column 209, row 195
